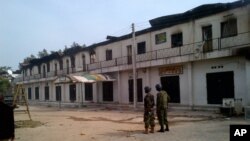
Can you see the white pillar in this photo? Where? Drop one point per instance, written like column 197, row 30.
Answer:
column 190, row 84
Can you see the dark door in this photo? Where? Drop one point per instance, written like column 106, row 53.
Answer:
column 171, row 84
column 29, row 93
column 107, row 91
column 46, row 92
column 72, row 92
column 37, row 93
column 44, row 72
column 207, row 38
column 139, row 90
column 219, row 85
column 58, row 93
column 88, row 91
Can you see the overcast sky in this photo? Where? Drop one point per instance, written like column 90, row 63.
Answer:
column 29, row 26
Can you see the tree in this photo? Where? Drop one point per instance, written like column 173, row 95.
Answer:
column 4, row 85
column 27, row 59
column 43, row 53
column 74, row 44
column 4, row 69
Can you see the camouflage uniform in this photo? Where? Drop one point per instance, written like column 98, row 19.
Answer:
column 149, row 117
column 162, row 105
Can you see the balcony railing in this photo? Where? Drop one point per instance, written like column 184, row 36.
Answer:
column 242, row 39
column 188, row 49
column 50, row 74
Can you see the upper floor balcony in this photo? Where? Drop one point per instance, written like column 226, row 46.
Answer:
column 213, row 48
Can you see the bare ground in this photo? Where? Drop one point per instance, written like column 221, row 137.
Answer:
column 102, row 124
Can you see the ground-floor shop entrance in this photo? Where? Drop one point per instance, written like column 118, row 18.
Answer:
column 139, row 90
column 171, row 84
column 219, row 85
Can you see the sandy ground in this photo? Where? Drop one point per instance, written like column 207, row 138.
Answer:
column 102, row 124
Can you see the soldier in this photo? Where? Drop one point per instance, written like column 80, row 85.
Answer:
column 162, row 105
column 149, row 117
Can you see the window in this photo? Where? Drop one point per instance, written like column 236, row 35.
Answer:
column 108, row 54
column 92, row 57
column 29, row 93
column 48, row 67
column 67, row 64
column 25, row 72
column 61, row 64
column 72, row 58
column 30, row 71
column 55, row 68
column 46, row 92
column 229, row 28
column 44, row 71
column 83, row 63
column 160, row 38
column 129, row 52
column 37, row 93
column 39, row 69
column 141, row 48
column 176, row 40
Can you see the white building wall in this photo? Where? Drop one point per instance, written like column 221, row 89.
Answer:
column 229, row 64
column 247, row 93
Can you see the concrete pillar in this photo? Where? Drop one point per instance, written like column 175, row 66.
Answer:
column 119, row 87
column 190, row 84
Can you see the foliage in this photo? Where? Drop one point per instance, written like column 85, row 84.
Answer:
column 4, row 69
column 27, row 59
column 42, row 53
column 4, row 85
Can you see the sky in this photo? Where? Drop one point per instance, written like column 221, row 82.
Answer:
column 29, row 26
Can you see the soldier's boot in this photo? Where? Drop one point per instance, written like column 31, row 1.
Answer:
column 152, row 130
column 162, row 129
column 146, row 131
column 167, row 129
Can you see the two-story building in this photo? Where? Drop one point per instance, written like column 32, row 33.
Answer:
column 199, row 57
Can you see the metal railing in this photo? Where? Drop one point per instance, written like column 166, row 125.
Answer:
column 242, row 39
column 187, row 49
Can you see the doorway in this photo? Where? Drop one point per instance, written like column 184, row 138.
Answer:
column 107, row 91
column 58, row 93
column 139, row 90
column 171, row 84
column 219, row 85
column 88, row 91
column 72, row 92
column 207, row 38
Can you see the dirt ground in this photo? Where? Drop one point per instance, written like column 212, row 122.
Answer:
column 105, row 124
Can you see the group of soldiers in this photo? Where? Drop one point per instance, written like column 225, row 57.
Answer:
column 161, row 109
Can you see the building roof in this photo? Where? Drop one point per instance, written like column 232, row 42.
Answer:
column 195, row 13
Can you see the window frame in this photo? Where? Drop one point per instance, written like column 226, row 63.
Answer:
column 175, row 42
column 141, row 47
column 160, row 38
column 229, row 28
column 109, row 54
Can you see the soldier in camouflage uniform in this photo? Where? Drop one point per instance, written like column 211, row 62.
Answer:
column 149, row 117
column 161, row 107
